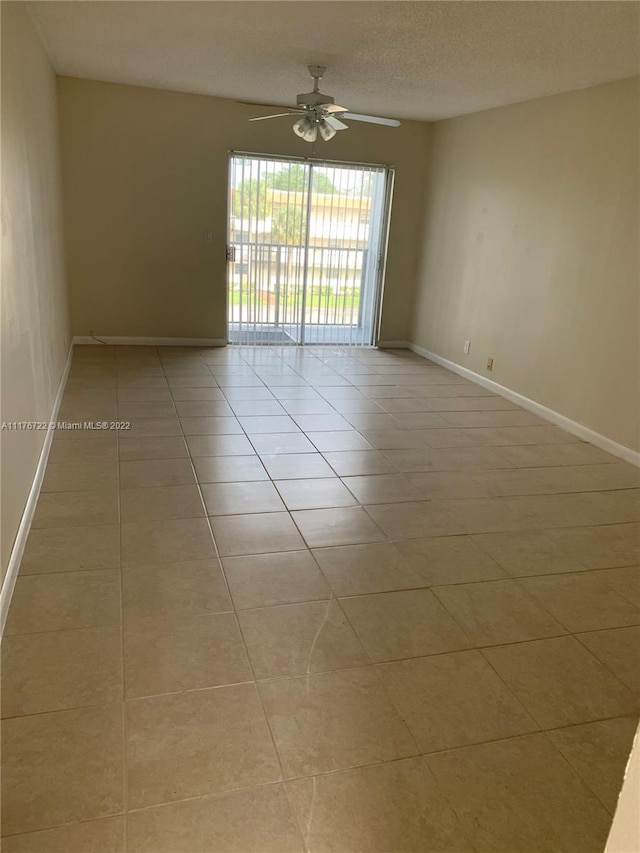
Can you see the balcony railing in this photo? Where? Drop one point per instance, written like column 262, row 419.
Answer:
column 267, row 284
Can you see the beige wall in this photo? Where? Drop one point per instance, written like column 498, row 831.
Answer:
column 145, row 173
column 531, row 252
column 624, row 836
column 35, row 331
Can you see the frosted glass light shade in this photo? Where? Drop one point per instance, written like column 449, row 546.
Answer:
column 306, row 128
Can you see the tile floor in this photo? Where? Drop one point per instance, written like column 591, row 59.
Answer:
column 324, row 600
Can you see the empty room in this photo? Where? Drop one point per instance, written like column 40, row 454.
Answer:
column 320, row 427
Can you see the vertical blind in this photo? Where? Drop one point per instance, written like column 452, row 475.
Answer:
column 306, row 245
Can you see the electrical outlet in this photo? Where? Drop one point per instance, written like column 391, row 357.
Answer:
column 467, row 347
column 208, row 236
column 489, row 364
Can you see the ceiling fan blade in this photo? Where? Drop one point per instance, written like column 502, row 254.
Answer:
column 277, row 115
column 389, row 122
column 335, row 123
column 268, row 106
column 334, row 108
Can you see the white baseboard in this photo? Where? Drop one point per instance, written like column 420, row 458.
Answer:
column 120, row 341
column 8, row 585
column 393, row 345
column 575, row 428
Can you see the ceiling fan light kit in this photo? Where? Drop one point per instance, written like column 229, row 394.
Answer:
column 320, row 114
column 307, row 128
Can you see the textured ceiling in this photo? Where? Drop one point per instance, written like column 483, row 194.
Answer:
column 420, row 60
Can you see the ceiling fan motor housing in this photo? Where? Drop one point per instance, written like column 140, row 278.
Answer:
column 314, row 99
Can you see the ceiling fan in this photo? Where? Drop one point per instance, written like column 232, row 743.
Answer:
column 320, row 114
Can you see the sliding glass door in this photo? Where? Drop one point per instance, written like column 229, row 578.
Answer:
column 305, row 250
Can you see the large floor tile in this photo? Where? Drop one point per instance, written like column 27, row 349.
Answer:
column 61, row 767
column 172, row 541
column 187, row 653
column 573, row 453
column 321, row 493
column 238, row 498
column 80, row 476
column 160, row 447
column 144, row 395
column 619, row 651
column 440, row 560
column 423, row 459
column 307, row 407
column 322, row 423
column 453, row 700
column 350, row 463
column 267, row 444
column 334, row 720
column 64, row 600
column 626, row 580
column 357, row 406
column 560, row 683
column 147, row 427
column 264, row 580
column 296, row 466
column 199, row 394
column 297, row 639
column 193, row 381
column 343, row 526
column 499, row 611
column 260, row 533
column 229, row 469
column 201, row 742
column 170, row 590
column 389, row 807
column 259, row 424
column 417, row 519
column 405, row 624
column 56, row 670
column 203, row 409
column 583, row 602
column 563, row 510
column 159, row 502
column 387, row 421
column 435, row 485
column 155, row 472
column 76, row 509
column 145, row 408
column 257, row 408
column 95, row 836
column 485, row 515
column 333, row 442
column 393, row 439
column 293, row 392
column 256, row 820
column 81, row 408
column 362, row 569
column 521, row 795
column 491, row 418
column 78, row 449
column 529, row 552
column 382, row 488
column 599, row 752
column 210, row 426
column 219, row 445
column 64, row 549
column 602, row 547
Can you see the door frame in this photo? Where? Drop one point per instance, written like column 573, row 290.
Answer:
column 389, row 174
